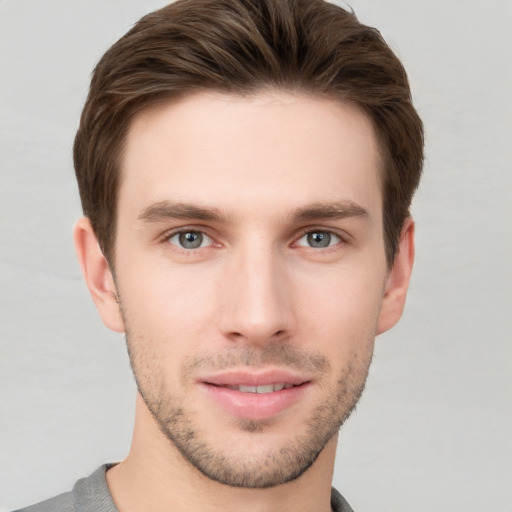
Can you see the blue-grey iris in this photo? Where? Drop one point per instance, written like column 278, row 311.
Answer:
column 319, row 239
column 191, row 239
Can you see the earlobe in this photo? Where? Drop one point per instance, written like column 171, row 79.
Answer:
column 97, row 275
column 397, row 283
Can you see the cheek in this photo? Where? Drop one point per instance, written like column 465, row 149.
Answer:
column 342, row 311
column 167, row 319
column 166, row 301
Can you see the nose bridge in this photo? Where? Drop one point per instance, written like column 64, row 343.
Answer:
column 257, row 302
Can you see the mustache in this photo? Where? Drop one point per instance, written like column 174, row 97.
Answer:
column 279, row 354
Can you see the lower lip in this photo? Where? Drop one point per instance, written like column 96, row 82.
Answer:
column 254, row 406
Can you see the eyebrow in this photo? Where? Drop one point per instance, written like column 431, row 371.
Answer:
column 164, row 210
column 338, row 210
column 171, row 210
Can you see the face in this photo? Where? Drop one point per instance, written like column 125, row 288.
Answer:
column 251, row 276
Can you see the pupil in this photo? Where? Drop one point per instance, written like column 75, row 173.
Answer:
column 319, row 239
column 191, row 240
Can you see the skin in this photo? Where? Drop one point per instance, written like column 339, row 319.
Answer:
column 258, row 179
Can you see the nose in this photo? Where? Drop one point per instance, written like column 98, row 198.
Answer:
column 257, row 298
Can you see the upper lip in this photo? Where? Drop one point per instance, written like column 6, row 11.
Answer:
column 256, row 378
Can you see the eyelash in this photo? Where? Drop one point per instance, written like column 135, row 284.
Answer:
column 331, row 234
column 309, row 231
column 169, row 236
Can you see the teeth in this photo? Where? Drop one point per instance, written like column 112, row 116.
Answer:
column 248, row 389
column 265, row 389
column 268, row 388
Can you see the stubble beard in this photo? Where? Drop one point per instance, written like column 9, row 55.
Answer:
column 235, row 468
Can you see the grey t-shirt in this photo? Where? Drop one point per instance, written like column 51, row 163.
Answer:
column 91, row 494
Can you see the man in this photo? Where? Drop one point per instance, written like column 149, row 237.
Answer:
column 246, row 169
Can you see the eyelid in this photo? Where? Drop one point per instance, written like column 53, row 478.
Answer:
column 335, row 241
column 166, row 237
column 343, row 236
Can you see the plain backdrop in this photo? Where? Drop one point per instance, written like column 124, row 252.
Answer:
column 434, row 428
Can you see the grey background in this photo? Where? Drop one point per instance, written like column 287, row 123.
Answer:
column 433, row 431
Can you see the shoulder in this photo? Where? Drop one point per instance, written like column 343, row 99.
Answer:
column 339, row 503
column 89, row 494
column 61, row 503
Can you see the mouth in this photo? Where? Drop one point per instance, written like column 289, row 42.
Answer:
column 261, row 390
column 255, row 396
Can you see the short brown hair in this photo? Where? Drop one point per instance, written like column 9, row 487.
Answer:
column 240, row 47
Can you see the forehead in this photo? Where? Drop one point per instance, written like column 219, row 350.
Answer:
column 228, row 151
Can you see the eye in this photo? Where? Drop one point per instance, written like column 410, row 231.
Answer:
column 319, row 239
column 190, row 239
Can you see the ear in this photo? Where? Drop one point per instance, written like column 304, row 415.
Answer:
column 97, row 275
column 397, row 283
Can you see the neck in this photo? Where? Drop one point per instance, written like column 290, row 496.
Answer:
column 156, row 477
